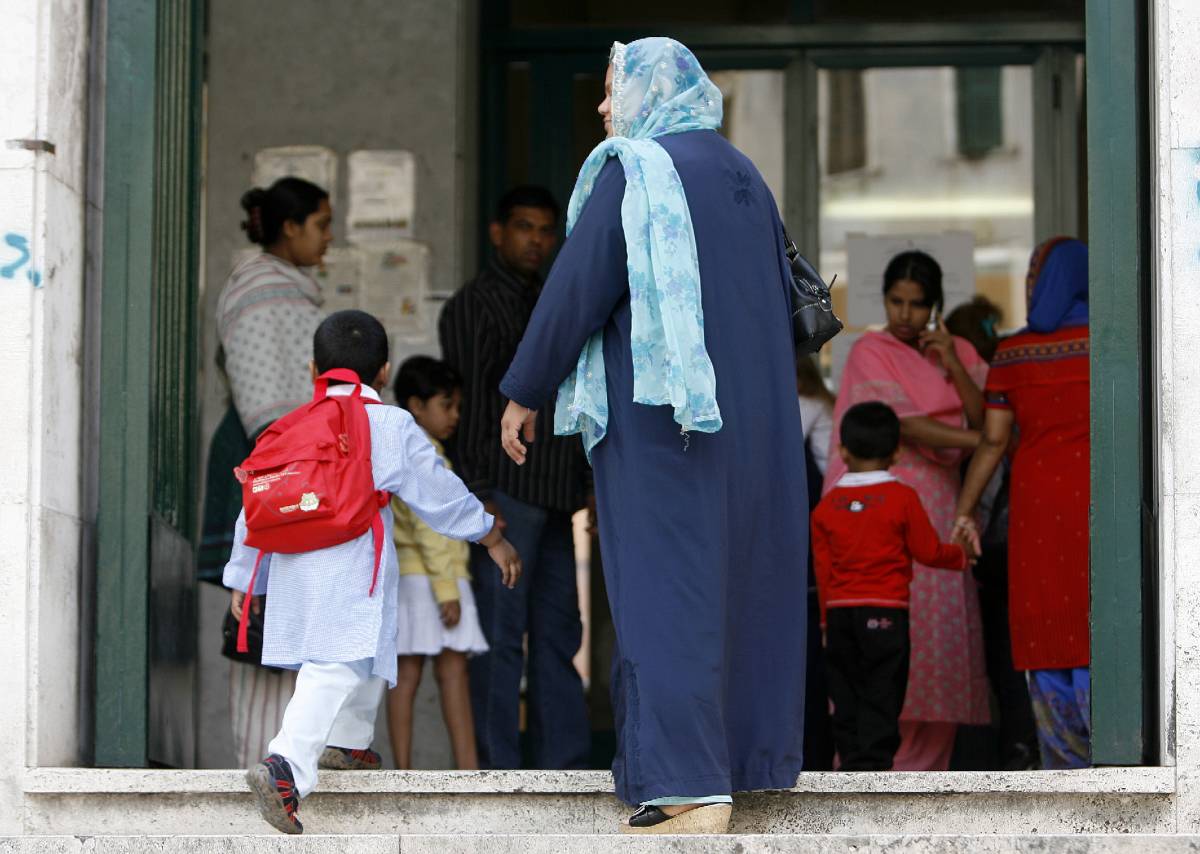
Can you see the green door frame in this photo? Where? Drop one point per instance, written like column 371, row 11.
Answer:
column 1123, row 503
column 126, row 332
column 150, row 244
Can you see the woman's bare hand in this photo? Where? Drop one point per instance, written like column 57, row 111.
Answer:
column 966, row 534
column 941, row 342
column 517, row 423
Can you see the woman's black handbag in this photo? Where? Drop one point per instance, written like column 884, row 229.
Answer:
column 813, row 320
column 254, row 638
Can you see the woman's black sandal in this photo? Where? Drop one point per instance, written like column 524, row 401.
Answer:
column 711, row 818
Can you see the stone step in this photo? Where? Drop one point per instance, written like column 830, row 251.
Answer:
column 94, row 802
column 601, row 844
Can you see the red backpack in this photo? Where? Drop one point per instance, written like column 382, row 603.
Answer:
column 308, row 484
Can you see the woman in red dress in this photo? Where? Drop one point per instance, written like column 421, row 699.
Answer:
column 1039, row 383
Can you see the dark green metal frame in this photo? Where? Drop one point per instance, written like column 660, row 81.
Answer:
column 149, row 238
column 123, row 533
column 1123, row 501
column 1124, row 505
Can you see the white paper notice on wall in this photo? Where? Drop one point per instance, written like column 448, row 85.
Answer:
column 382, row 195
column 313, row 163
column 395, row 285
column 340, row 277
column 867, row 256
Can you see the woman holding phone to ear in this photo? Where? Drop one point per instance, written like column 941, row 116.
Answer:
column 933, row 381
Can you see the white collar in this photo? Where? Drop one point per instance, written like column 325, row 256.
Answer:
column 866, row 478
column 345, row 389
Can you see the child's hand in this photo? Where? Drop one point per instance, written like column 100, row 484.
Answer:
column 451, row 613
column 506, row 557
column 966, row 535
column 238, row 598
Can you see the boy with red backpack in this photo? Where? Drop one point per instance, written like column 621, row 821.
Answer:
column 312, row 536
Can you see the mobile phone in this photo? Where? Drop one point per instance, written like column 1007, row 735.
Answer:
column 934, row 318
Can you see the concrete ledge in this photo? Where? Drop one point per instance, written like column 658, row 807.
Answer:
column 75, row 781
column 792, row 843
column 314, row 844
column 580, row 844
column 78, row 781
column 98, row 802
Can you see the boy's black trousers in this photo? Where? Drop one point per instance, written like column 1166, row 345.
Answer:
column 867, row 649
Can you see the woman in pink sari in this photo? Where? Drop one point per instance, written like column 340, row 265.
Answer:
column 934, row 383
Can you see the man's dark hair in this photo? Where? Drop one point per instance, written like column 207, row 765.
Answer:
column 424, row 377
column 526, row 196
column 870, row 431
column 353, row 340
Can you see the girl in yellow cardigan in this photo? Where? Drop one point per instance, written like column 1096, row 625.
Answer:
column 437, row 608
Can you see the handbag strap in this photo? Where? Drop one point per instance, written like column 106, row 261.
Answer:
column 789, row 245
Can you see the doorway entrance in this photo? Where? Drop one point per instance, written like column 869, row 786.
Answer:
column 998, row 87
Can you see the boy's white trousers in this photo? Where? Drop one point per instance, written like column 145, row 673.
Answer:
column 334, row 704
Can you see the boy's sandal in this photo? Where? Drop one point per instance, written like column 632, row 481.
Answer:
column 348, row 759
column 710, row 819
column 273, row 785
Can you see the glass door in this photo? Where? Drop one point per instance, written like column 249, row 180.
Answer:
column 962, row 161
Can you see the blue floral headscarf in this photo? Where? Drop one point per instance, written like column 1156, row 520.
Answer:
column 658, row 88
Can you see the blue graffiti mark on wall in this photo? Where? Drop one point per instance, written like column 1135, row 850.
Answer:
column 21, row 244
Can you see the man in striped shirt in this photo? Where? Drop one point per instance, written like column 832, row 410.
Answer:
column 480, row 328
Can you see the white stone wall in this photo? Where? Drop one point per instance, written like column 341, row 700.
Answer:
column 43, row 92
column 1177, row 133
column 43, row 69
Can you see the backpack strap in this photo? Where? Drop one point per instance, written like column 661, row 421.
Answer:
column 321, row 383
column 377, row 532
column 243, row 638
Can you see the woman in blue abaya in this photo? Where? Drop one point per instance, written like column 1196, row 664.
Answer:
column 665, row 328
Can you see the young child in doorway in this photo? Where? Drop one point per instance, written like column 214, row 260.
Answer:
column 866, row 533
column 326, row 619
column 437, row 608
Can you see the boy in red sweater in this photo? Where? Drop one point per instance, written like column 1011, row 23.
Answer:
column 865, row 534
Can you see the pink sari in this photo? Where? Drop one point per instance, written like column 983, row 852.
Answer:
column 947, row 679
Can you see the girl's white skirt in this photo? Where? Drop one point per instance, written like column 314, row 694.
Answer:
column 421, row 631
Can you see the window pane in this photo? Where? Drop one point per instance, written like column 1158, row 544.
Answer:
column 846, row 133
column 551, row 13
column 947, row 10
column 915, row 179
column 980, row 115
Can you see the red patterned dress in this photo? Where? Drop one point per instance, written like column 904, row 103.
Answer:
column 1043, row 379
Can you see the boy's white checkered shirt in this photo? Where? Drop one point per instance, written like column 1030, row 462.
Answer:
column 317, row 603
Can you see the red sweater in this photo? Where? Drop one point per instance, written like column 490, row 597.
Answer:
column 865, row 539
